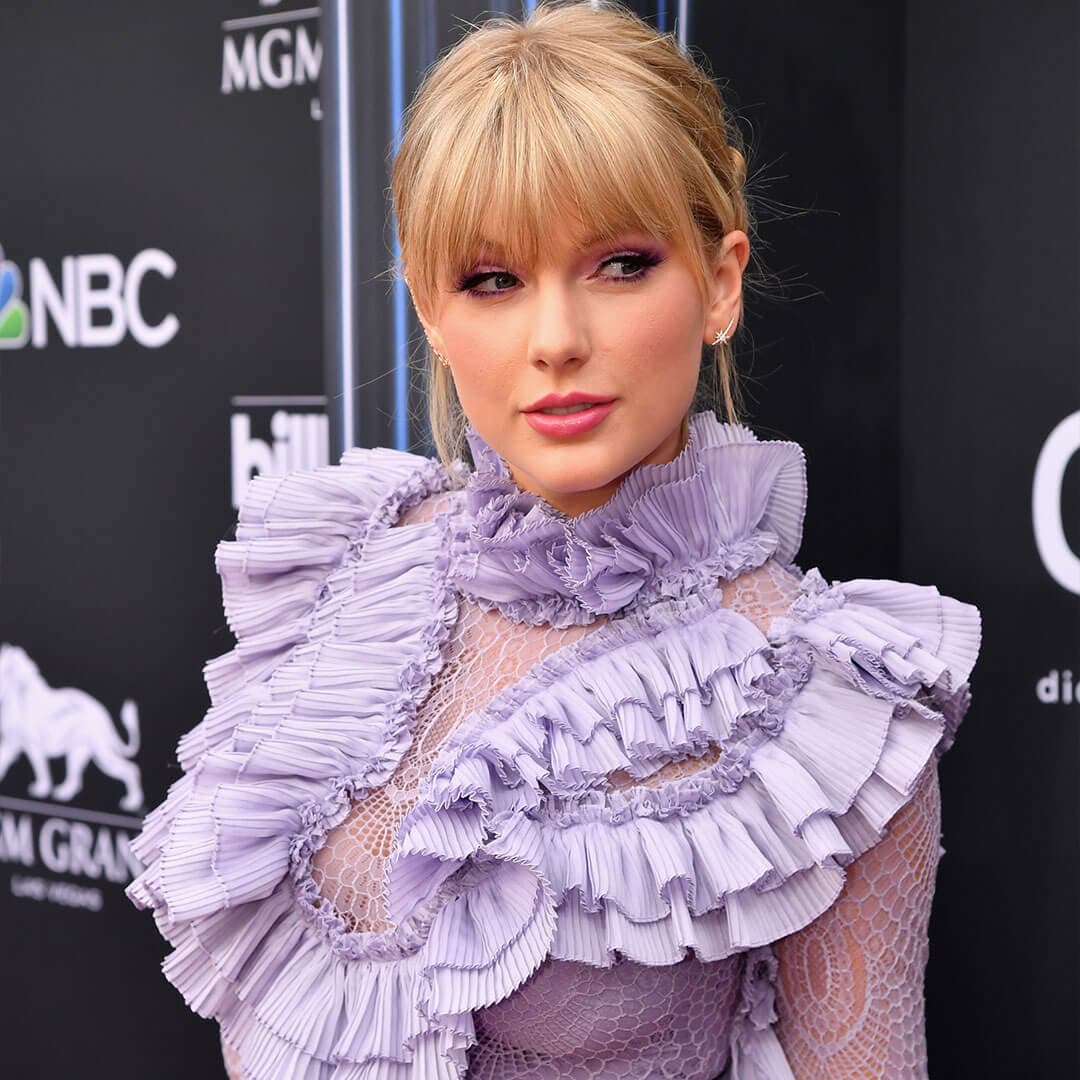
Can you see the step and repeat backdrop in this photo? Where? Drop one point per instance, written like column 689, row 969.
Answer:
column 191, row 294
column 161, row 330
column 989, row 480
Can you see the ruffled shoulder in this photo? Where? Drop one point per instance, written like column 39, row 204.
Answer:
column 826, row 723
column 340, row 622
column 866, row 681
column 292, row 531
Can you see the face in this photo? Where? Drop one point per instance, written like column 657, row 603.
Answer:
column 617, row 325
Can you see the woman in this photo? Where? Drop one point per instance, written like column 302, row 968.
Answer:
column 558, row 765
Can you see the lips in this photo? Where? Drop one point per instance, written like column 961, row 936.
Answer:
column 562, row 401
column 566, row 425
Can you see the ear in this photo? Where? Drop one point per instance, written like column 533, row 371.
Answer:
column 430, row 329
column 726, row 284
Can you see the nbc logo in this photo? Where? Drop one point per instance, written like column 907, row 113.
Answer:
column 14, row 316
column 95, row 302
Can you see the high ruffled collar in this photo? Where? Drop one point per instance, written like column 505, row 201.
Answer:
column 722, row 506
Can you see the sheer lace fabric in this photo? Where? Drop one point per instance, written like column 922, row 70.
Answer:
column 762, row 594
column 850, row 993
column 486, row 653
column 851, row 1001
column 850, row 996
column 628, row 1021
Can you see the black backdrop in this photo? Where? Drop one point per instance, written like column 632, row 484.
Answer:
column 917, row 179
column 990, row 369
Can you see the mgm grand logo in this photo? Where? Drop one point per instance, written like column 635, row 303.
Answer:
column 52, row 736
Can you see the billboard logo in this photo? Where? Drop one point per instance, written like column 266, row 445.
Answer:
column 1048, row 500
column 96, row 303
column 14, row 316
column 271, row 51
column 297, row 440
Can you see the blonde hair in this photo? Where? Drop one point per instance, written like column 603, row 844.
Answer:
column 581, row 107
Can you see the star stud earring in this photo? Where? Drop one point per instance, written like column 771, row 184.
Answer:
column 722, row 336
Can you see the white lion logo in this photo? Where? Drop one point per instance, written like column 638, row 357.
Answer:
column 43, row 722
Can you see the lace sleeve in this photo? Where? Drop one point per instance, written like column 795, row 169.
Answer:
column 850, row 985
column 849, row 993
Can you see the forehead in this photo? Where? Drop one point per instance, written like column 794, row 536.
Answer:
column 509, row 181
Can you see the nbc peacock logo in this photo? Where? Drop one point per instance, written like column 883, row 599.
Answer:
column 14, row 316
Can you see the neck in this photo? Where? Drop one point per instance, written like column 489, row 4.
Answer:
column 573, row 503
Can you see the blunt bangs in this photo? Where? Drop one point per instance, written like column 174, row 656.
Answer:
column 533, row 155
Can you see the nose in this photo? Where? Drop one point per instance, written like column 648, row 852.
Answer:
column 560, row 332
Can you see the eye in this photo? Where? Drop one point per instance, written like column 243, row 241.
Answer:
column 501, row 280
column 631, row 265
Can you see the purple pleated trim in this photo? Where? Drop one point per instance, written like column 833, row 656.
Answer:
column 825, row 733
column 340, row 625
column 756, row 1053
column 514, row 852
column 722, row 506
column 901, row 643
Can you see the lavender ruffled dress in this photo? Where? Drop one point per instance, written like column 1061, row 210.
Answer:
column 486, row 791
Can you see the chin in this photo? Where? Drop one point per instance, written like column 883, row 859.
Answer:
column 582, row 471
column 597, row 460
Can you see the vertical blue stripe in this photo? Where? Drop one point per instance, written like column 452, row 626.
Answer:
column 344, row 139
column 530, row 7
column 682, row 19
column 400, row 323
column 661, row 16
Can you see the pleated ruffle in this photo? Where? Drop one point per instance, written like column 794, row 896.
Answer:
column 722, row 506
column 340, row 624
column 756, row 1053
column 826, row 727
column 517, row 850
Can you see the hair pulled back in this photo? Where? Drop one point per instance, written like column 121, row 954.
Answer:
column 582, row 108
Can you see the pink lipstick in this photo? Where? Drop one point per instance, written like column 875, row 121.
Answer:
column 576, row 413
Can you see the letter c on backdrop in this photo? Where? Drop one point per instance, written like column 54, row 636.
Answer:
column 1061, row 562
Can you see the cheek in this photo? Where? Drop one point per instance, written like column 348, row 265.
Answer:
column 662, row 342
column 481, row 359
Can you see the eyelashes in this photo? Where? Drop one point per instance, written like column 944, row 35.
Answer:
column 640, row 261
column 470, row 282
